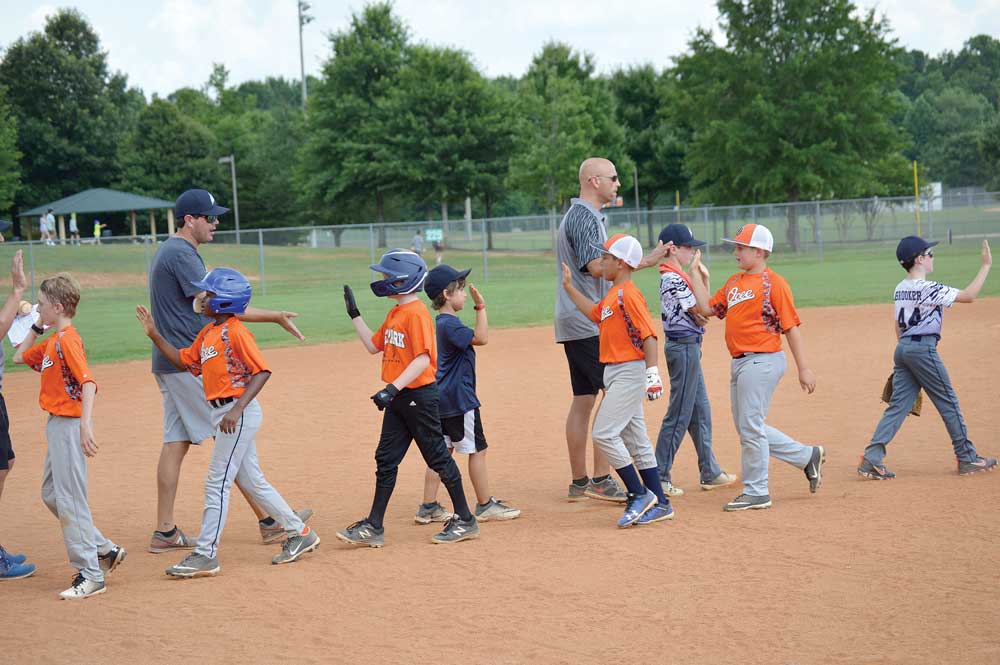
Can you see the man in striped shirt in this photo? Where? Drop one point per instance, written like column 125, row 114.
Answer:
column 579, row 244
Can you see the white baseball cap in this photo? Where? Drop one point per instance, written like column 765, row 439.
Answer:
column 624, row 247
column 753, row 235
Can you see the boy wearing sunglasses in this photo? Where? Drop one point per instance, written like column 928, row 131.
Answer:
column 920, row 304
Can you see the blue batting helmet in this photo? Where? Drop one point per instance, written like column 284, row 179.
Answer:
column 232, row 291
column 405, row 272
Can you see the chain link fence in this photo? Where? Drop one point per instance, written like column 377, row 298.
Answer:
column 512, row 247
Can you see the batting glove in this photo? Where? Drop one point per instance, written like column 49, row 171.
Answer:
column 352, row 305
column 384, row 396
column 654, row 386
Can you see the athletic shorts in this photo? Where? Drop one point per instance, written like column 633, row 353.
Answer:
column 6, row 448
column 586, row 371
column 464, row 433
column 186, row 413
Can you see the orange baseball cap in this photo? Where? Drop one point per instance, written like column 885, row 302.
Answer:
column 753, row 235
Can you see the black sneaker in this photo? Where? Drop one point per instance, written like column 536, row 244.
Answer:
column 814, row 469
column 872, row 472
column 977, row 465
column 456, row 530
column 108, row 562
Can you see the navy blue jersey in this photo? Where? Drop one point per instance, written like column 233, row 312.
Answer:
column 456, row 373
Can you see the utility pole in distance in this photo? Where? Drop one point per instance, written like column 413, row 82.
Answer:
column 303, row 19
column 231, row 160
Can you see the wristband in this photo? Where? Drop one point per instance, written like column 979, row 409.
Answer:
column 479, row 308
column 38, row 331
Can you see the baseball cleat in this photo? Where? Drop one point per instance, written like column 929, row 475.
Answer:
column 748, row 502
column 431, row 512
column 160, row 543
column 495, row 509
column 269, row 534
column 296, row 546
column 874, row 472
column 363, row 533
column 638, row 505
column 83, row 588
column 456, row 530
column 194, row 565
column 13, row 566
column 658, row 513
column 814, row 469
column 112, row 559
column 977, row 465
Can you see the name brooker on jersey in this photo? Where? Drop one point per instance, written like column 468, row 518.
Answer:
column 919, row 304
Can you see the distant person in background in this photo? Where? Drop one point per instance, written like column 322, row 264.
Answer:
column 74, row 231
column 97, row 231
column 47, row 225
column 417, row 244
column 438, row 251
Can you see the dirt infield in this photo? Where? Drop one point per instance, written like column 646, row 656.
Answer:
column 861, row 572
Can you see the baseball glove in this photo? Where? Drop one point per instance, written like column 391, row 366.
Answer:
column 918, row 403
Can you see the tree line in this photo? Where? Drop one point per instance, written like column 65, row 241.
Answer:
column 807, row 99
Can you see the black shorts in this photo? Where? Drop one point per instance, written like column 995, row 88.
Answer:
column 458, row 429
column 586, row 371
column 6, row 448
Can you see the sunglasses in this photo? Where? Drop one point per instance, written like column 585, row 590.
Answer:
column 929, row 254
column 612, row 178
column 211, row 219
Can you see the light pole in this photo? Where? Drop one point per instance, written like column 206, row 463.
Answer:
column 303, row 19
column 231, row 160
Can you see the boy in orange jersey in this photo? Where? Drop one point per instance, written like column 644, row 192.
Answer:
column 67, row 394
column 758, row 308
column 406, row 340
column 628, row 352
column 233, row 370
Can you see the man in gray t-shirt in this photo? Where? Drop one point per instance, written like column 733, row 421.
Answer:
column 186, row 414
column 579, row 242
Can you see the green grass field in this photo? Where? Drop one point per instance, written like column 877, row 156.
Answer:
column 520, row 288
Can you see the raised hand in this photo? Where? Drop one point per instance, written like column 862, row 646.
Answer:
column 477, row 298
column 146, row 319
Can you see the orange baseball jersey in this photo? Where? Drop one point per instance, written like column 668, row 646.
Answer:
column 62, row 362
column 757, row 309
column 226, row 357
column 407, row 332
column 623, row 320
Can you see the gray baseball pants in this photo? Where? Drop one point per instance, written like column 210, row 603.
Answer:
column 64, row 492
column 688, row 411
column 620, row 425
column 753, row 379
column 916, row 365
column 234, row 457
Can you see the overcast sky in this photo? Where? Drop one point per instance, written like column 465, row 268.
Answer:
column 167, row 44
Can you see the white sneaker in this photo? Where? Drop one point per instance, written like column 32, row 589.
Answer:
column 720, row 480
column 671, row 490
column 494, row 509
column 83, row 588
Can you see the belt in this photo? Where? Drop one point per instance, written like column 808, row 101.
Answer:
column 687, row 339
column 220, row 402
column 748, row 353
column 917, row 338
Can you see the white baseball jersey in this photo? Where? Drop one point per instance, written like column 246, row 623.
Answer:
column 919, row 306
column 676, row 298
